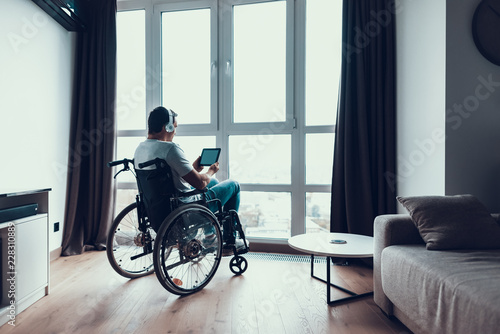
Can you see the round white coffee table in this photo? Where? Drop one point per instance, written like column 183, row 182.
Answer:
column 341, row 245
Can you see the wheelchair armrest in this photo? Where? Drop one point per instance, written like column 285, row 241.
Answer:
column 217, row 202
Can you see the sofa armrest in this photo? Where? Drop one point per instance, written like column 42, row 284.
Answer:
column 397, row 229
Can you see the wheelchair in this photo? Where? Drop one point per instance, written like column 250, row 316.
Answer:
column 174, row 234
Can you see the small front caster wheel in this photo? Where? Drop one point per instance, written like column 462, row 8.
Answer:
column 238, row 265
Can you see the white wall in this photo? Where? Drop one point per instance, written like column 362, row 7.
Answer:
column 473, row 104
column 445, row 86
column 36, row 70
column 421, row 83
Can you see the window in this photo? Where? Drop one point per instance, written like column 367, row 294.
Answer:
column 266, row 214
column 131, row 64
column 259, row 62
column 260, row 159
column 185, row 62
column 318, row 212
column 130, row 94
column 323, row 56
column 319, row 158
column 193, row 145
column 258, row 78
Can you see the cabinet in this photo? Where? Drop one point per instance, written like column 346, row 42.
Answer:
column 24, row 253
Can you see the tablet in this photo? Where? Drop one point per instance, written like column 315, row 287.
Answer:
column 209, row 156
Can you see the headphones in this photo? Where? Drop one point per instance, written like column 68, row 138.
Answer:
column 169, row 127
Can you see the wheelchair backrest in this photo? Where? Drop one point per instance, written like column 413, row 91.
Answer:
column 156, row 188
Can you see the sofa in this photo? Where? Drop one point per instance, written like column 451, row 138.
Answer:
column 452, row 289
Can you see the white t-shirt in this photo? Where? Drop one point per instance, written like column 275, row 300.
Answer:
column 174, row 156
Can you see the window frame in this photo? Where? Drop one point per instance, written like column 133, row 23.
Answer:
column 221, row 124
column 174, row 6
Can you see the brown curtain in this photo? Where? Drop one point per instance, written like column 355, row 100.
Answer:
column 363, row 184
column 89, row 195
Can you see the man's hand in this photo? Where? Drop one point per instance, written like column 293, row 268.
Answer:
column 213, row 169
column 196, row 165
column 197, row 180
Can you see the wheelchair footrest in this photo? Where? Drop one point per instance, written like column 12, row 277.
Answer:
column 234, row 249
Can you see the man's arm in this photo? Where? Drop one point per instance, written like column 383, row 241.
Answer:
column 200, row 181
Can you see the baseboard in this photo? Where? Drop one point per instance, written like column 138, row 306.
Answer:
column 266, row 247
column 55, row 254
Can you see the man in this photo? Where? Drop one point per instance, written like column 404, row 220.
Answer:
column 162, row 124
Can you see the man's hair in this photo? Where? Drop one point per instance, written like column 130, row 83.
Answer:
column 157, row 119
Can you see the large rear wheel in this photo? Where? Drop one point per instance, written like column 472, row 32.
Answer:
column 188, row 249
column 129, row 250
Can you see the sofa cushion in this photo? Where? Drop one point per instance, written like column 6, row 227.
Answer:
column 444, row 291
column 453, row 222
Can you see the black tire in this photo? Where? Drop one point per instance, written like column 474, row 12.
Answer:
column 238, row 265
column 126, row 241
column 184, row 260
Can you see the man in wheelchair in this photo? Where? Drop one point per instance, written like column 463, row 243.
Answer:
column 162, row 124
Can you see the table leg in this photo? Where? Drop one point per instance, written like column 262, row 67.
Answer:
column 329, row 284
column 328, row 280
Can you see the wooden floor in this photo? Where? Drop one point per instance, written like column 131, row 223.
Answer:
column 274, row 297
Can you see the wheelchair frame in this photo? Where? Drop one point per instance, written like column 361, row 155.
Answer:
column 179, row 252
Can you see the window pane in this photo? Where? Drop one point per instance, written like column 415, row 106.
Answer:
column 265, row 214
column 193, row 145
column 318, row 212
column 125, row 148
column 264, row 159
column 323, row 58
column 186, row 64
column 131, row 69
column 260, row 62
column 319, row 158
column 124, row 197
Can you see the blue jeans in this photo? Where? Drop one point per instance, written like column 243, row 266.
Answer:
column 228, row 192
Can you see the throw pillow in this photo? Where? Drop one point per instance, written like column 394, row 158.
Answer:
column 453, row 222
